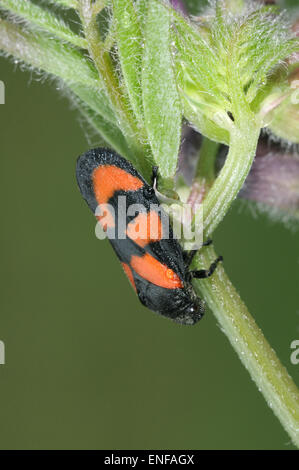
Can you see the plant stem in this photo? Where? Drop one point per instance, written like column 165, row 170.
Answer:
column 207, row 157
column 205, row 172
column 103, row 63
column 236, row 322
column 242, row 149
column 102, row 60
column 251, row 346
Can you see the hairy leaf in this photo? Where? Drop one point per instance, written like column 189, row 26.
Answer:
column 65, row 3
column 96, row 100
column 223, row 62
column 43, row 19
column 162, row 107
column 129, row 42
column 53, row 57
column 109, row 132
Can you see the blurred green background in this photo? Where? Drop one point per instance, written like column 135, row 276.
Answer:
column 86, row 365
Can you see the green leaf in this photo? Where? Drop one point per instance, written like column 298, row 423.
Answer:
column 96, row 100
column 141, row 8
column 222, row 64
column 201, row 122
column 281, row 52
column 203, row 63
column 109, row 132
column 44, row 20
column 129, row 42
column 162, row 107
column 51, row 56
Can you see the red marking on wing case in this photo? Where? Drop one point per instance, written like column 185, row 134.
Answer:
column 129, row 274
column 108, row 179
column 145, row 228
column 155, row 272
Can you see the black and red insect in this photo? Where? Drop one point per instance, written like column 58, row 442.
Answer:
column 156, row 266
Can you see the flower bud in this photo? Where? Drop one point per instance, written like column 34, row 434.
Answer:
column 284, row 120
column 179, row 6
column 295, row 57
column 203, row 64
column 273, row 183
column 189, row 152
column 280, row 109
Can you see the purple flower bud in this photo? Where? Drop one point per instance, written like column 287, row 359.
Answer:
column 179, row 6
column 280, row 108
column 189, row 151
column 273, row 183
column 295, row 57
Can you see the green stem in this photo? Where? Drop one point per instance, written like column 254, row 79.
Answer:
column 243, row 143
column 103, row 63
column 247, row 339
column 207, row 157
column 251, row 346
column 101, row 58
column 110, row 38
column 98, row 6
column 205, row 173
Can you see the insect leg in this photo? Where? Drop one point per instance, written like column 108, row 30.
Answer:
column 208, row 242
column 149, row 191
column 188, row 256
column 155, row 170
column 204, row 273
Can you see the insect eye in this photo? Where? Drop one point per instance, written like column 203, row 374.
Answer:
column 148, row 192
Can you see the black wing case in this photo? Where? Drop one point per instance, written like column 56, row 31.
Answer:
column 167, row 251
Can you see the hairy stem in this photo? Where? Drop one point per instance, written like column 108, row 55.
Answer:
column 250, row 344
column 243, row 333
column 102, row 59
column 207, row 157
column 105, row 69
column 243, row 143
